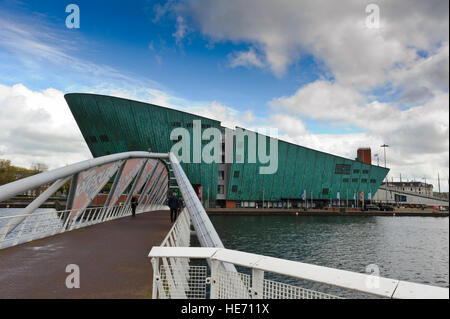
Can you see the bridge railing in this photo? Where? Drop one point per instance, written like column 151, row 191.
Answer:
column 180, row 279
column 224, row 284
column 141, row 175
column 51, row 222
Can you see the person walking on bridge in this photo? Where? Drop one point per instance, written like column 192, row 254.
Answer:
column 134, row 203
column 174, row 204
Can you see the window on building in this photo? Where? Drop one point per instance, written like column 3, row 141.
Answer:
column 325, row 191
column 236, row 174
column 189, row 125
column 356, row 171
column 342, row 169
column 363, row 180
column 220, row 189
column 175, row 124
column 345, row 180
column 104, row 138
column 373, row 181
column 234, row 188
column 93, row 139
column 221, row 175
column 354, row 180
column 365, row 171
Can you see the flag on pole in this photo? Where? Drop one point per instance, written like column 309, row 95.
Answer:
column 338, row 195
column 304, row 194
column 369, row 196
column 361, row 196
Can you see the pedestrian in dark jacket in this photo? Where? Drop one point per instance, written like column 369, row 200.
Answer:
column 173, row 205
column 134, row 203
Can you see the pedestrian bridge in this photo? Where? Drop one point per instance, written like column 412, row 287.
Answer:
column 121, row 256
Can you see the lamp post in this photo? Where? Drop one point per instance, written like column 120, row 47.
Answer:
column 385, row 166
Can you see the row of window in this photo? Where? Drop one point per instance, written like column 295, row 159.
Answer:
column 234, row 188
column 345, row 180
column 355, row 180
column 103, row 138
column 344, row 169
column 357, row 171
column 190, row 125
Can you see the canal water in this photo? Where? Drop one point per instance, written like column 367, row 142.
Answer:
column 407, row 248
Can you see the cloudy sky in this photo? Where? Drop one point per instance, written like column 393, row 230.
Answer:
column 322, row 72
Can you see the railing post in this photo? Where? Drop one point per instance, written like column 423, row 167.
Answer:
column 257, row 284
column 72, row 191
column 156, row 278
column 214, row 280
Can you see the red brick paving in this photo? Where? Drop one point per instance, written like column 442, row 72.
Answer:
column 112, row 258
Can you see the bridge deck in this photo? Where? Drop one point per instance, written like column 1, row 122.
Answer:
column 112, row 257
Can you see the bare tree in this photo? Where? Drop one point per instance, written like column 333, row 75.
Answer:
column 39, row 167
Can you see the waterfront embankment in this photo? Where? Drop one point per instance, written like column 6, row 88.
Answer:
column 325, row 212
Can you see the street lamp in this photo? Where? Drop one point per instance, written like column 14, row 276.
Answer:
column 385, row 166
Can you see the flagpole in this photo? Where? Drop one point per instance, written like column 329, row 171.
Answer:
column 346, row 202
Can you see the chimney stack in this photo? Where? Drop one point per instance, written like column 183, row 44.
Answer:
column 364, row 155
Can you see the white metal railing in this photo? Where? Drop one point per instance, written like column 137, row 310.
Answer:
column 45, row 224
column 174, row 276
column 49, row 223
column 204, row 229
column 226, row 284
column 143, row 173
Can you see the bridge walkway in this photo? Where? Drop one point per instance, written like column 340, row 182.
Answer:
column 112, row 258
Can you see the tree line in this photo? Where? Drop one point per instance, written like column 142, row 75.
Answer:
column 10, row 173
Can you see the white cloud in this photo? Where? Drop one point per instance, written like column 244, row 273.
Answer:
column 38, row 127
column 418, row 136
column 431, row 72
column 422, row 128
column 245, row 59
column 46, row 53
column 181, row 29
column 333, row 31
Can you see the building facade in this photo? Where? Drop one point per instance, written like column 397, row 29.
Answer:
column 112, row 125
column 413, row 187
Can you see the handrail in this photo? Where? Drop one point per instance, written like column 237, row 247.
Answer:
column 51, row 222
column 384, row 287
column 206, row 233
column 87, row 179
column 9, row 190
